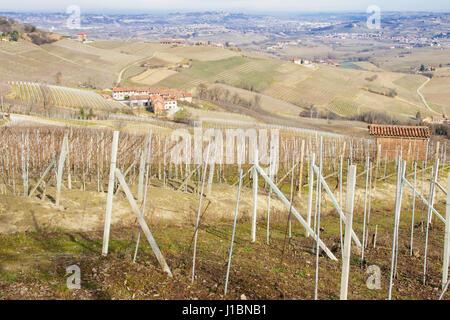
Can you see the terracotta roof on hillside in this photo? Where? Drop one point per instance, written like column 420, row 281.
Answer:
column 156, row 98
column 175, row 92
column 382, row 130
column 140, row 97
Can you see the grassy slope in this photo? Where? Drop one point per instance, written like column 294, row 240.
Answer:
column 77, row 62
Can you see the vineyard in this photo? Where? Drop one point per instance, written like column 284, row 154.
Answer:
column 50, row 95
column 322, row 86
column 56, row 183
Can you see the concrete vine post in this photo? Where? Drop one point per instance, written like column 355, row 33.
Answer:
column 365, row 211
column 255, row 195
column 349, row 202
column 429, row 214
column 62, row 159
column 413, row 211
column 234, row 231
column 198, row 213
column 310, row 193
column 319, row 198
column 445, row 258
column 396, row 222
column 109, row 199
column 144, row 201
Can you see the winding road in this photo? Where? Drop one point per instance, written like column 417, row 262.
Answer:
column 119, row 77
column 423, row 98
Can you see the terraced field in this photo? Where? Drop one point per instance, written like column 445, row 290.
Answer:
column 343, row 91
column 77, row 62
column 152, row 76
column 342, row 106
column 35, row 93
column 200, row 53
column 234, row 71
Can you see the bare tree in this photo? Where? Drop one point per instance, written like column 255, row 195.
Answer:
column 58, row 78
column 46, row 94
column 257, row 101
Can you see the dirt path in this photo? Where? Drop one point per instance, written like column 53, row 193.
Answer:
column 423, row 98
column 119, row 77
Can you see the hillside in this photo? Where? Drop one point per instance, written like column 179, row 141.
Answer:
column 39, row 94
column 287, row 89
column 79, row 64
column 343, row 91
column 12, row 30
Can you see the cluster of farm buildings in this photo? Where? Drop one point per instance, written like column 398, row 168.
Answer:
column 198, row 43
column 307, row 62
column 437, row 120
column 157, row 100
column 208, row 43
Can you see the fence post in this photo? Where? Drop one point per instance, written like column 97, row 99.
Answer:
column 62, row 158
column 413, row 211
column 433, row 179
column 300, row 175
column 255, row 195
column 234, row 230
column 141, row 173
column 109, row 199
column 396, row 221
column 351, row 181
column 365, row 211
column 143, row 224
column 198, row 212
column 447, row 236
column 310, row 195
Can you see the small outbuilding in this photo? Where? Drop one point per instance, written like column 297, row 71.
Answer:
column 393, row 140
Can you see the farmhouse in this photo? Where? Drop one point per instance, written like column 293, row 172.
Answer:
column 301, row 61
column 436, row 120
column 171, row 42
column 408, row 141
column 139, row 100
column 159, row 104
column 82, row 36
column 122, row 93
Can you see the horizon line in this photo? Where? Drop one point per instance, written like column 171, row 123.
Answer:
column 268, row 12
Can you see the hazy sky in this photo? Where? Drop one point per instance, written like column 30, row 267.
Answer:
column 226, row 5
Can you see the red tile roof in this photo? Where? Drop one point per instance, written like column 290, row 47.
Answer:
column 156, row 98
column 382, row 130
column 140, row 97
column 174, row 93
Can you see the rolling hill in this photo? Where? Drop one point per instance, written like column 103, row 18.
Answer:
column 343, row 91
column 287, row 89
